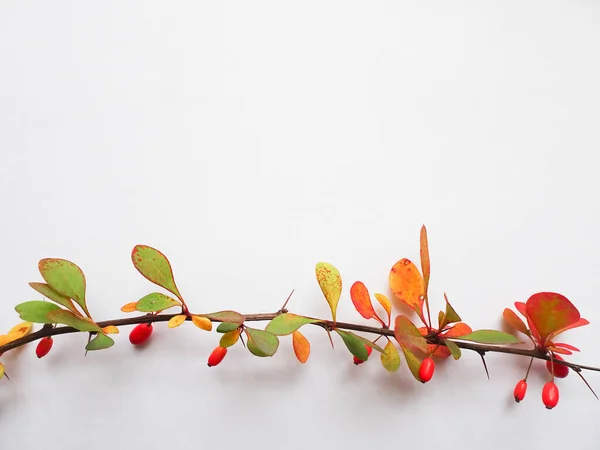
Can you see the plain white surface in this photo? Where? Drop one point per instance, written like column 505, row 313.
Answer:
column 250, row 140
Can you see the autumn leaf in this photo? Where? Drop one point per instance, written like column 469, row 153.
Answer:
column 226, row 316
column 129, row 307
column 515, row 321
column 408, row 335
column 176, row 321
column 414, row 364
column 390, row 359
column 408, row 286
column 203, row 323
column 425, row 261
column 230, row 338
column 110, row 329
column 450, row 315
column 155, row 302
column 287, row 323
column 66, row 278
column 550, row 312
column 301, row 346
column 386, row 305
column 359, row 294
column 330, row 281
column 155, row 267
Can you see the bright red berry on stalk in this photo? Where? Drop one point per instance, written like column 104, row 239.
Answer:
column 520, row 390
column 44, row 346
column 550, row 394
column 360, row 361
column 140, row 333
column 426, row 370
column 560, row 370
column 217, row 356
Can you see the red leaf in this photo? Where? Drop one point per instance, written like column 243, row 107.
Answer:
column 567, row 346
column 362, row 300
column 522, row 308
column 460, row 329
column 562, row 351
column 515, row 321
column 550, row 313
column 408, row 285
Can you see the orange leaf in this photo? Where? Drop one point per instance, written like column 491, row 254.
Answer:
column 408, row 285
column 202, row 322
column 362, row 300
column 110, row 329
column 460, row 329
column 563, row 345
column 550, row 313
column 301, row 346
column 386, row 304
column 562, row 351
column 129, row 307
column 515, row 321
column 408, row 335
column 425, row 262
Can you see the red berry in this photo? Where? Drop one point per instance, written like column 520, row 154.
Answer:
column 560, row 370
column 360, row 361
column 140, row 333
column 550, row 395
column 44, row 346
column 426, row 370
column 520, row 390
column 217, row 356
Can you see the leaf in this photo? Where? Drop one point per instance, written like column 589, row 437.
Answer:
column 451, row 316
column 567, row 346
column 36, row 311
column 359, row 294
column 550, row 312
column 226, row 327
column 202, row 322
column 155, row 302
column 385, row 304
column 155, row 267
column 129, row 307
column 408, row 335
column 425, row 261
column 51, row 294
column 454, row 349
column 390, row 359
column 177, row 320
column 441, row 320
column 368, row 342
column 562, row 351
column 301, row 346
column 66, row 278
column 354, row 344
column 330, row 281
column 2, row 371
column 515, row 321
column 110, row 329
column 407, row 284
column 287, row 323
column 100, row 342
column 226, row 316
column 412, row 361
column 264, row 342
column 20, row 330
column 490, row 337
column 72, row 320
column 581, row 322
column 522, row 308
column 230, row 338
column 459, row 329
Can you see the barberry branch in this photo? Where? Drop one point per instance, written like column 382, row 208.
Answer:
column 481, row 349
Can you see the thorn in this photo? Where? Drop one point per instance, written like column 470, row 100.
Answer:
column 482, row 353
column 283, row 310
column 242, row 340
column 578, row 372
column 8, row 378
column 330, row 338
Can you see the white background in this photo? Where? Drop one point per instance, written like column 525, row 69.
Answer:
column 250, row 140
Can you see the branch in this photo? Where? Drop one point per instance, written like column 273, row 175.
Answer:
column 48, row 330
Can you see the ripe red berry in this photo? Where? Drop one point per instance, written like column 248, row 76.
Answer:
column 520, row 390
column 140, row 333
column 426, row 370
column 550, row 394
column 44, row 346
column 360, row 361
column 560, row 370
column 217, row 356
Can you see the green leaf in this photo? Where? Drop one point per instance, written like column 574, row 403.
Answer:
column 155, row 267
column 330, row 281
column 261, row 342
column 155, row 302
column 225, row 316
column 412, row 361
column 454, row 349
column 366, row 341
column 226, row 327
column 66, row 278
column 51, row 294
column 489, row 337
column 287, row 323
column 390, row 359
column 36, row 311
column 100, row 342
column 72, row 320
column 451, row 316
column 408, row 335
column 355, row 345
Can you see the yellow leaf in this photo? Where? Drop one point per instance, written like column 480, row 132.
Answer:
column 175, row 321
column 4, row 339
column 390, row 359
column 111, row 329
column 386, row 304
column 202, row 322
column 18, row 331
column 1, row 370
column 301, row 346
column 129, row 307
column 330, row 281
column 230, row 338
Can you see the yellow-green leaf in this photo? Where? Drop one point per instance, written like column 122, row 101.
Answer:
column 226, row 327
column 330, row 281
column 287, row 323
column 412, row 361
column 72, row 320
column 175, row 321
column 100, row 342
column 489, row 337
column 226, row 316
column 51, row 294
column 202, row 322
column 451, row 315
column 261, row 342
column 155, row 302
column 155, row 267
column 230, row 338
column 390, row 359
column 36, row 311
column 454, row 349
column 386, row 305
column 408, row 335
column 301, row 346
column 66, row 278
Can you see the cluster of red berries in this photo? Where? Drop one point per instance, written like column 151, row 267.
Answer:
column 550, row 393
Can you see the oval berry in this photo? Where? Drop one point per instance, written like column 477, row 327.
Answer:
column 360, row 361
column 426, row 370
column 44, row 346
column 520, row 390
column 140, row 333
column 217, row 356
column 550, row 394
column 560, row 370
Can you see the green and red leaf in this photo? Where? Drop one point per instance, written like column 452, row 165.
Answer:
column 65, row 278
column 155, row 267
column 408, row 335
column 51, row 294
column 550, row 313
